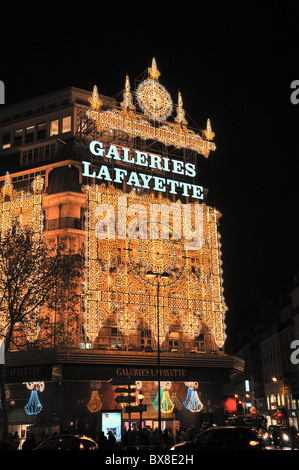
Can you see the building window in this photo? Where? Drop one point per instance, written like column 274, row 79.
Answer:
column 18, row 137
column 54, row 127
column 29, row 134
column 6, row 141
column 38, row 154
column 66, row 124
column 42, row 130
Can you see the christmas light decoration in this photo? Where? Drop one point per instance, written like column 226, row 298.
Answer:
column 34, row 406
column 191, row 324
column 192, row 401
column 127, row 321
column 95, row 404
column 116, row 268
column 26, row 208
column 156, row 104
column 166, row 404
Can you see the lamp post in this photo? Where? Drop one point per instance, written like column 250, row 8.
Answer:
column 141, row 398
column 164, row 275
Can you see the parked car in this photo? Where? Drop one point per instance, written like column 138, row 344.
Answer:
column 283, row 436
column 223, row 438
column 68, row 442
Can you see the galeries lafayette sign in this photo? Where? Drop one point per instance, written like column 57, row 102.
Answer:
column 139, row 179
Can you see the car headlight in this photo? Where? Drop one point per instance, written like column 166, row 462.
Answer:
column 285, row 437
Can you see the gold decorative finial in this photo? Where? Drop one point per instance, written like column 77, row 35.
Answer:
column 209, row 135
column 38, row 184
column 95, row 102
column 180, row 118
column 7, row 189
column 153, row 71
column 127, row 102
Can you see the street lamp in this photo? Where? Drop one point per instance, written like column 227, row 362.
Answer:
column 164, row 275
column 140, row 398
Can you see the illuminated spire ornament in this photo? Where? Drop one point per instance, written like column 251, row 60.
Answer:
column 180, row 118
column 7, row 189
column 209, row 135
column 95, row 102
column 153, row 71
column 127, row 102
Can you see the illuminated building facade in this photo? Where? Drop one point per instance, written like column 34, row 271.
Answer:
column 119, row 181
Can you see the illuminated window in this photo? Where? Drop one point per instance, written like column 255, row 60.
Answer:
column 54, row 127
column 66, row 124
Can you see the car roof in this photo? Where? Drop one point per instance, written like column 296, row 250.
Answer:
column 229, row 427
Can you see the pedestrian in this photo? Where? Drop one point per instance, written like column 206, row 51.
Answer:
column 111, row 440
column 185, row 435
column 15, row 442
column 102, row 441
column 29, row 442
column 165, row 437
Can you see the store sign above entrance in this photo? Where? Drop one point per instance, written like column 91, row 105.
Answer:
column 143, row 180
column 156, row 105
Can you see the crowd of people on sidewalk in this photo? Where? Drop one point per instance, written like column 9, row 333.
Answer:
column 131, row 438
column 148, row 438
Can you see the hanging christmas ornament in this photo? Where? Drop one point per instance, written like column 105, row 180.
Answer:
column 166, row 403
column 192, row 401
column 34, row 406
column 94, row 405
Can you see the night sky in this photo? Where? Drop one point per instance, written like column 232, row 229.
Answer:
column 233, row 64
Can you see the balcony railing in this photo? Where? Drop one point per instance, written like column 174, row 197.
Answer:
column 63, row 222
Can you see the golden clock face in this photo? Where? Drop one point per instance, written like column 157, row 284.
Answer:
column 154, row 100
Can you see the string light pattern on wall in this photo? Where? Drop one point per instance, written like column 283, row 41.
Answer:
column 26, row 209
column 116, row 284
column 156, row 105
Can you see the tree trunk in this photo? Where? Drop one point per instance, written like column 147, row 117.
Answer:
column 4, row 424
